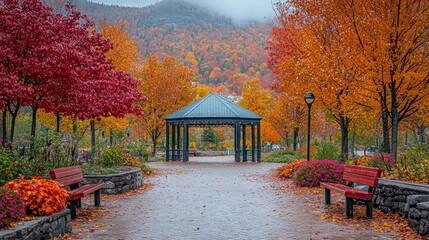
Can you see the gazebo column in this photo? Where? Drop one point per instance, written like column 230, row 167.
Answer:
column 167, row 142
column 258, row 150
column 244, row 144
column 173, row 142
column 253, row 143
column 179, row 147
column 186, row 142
column 237, row 142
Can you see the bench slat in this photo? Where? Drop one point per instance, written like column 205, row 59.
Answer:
column 347, row 191
column 85, row 190
column 356, row 178
column 67, row 181
column 64, row 172
column 367, row 171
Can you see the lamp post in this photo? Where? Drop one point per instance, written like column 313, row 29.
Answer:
column 309, row 99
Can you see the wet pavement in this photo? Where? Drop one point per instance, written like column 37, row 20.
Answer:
column 214, row 198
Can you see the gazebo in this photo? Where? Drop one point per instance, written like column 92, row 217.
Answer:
column 213, row 110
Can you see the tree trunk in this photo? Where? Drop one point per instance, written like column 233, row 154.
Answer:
column 14, row 114
column 33, row 122
column 4, row 128
column 154, row 144
column 385, row 125
column 295, row 138
column 92, row 125
column 395, row 121
column 58, row 118
column 344, row 125
column 421, row 133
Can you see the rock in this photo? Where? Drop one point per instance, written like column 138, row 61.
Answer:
column 423, row 206
column 414, row 199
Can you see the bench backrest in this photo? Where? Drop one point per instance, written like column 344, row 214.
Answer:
column 68, row 175
column 363, row 175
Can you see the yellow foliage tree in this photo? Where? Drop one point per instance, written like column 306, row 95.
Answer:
column 168, row 87
column 261, row 102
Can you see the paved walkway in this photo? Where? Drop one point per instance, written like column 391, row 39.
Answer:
column 214, row 198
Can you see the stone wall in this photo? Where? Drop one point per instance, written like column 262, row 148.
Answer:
column 117, row 183
column 410, row 200
column 391, row 196
column 46, row 227
column 418, row 215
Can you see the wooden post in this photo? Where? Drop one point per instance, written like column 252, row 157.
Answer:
column 253, row 143
column 237, row 142
column 173, row 142
column 244, row 144
column 258, row 144
column 179, row 147
column 186, row 142
column 167, row 142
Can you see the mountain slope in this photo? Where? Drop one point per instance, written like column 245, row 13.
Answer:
column 221, row 52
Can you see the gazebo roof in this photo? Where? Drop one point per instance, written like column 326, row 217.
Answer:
column 213, row 106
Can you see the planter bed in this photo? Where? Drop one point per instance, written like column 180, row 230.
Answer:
column 119, row 182
column 45, row 227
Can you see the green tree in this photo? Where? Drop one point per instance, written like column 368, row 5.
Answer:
column 209, row 138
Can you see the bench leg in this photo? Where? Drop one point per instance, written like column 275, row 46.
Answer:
column 73, row 206
column 369, row 210
column 327, row 196
column 349, row 207
column 97, row 197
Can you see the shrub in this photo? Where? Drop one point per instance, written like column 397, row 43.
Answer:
column 288, row 169
column 128, row 160
column 42, row 196
column 112, row 157
column 382, row 160
column 11, row 207
column 10, row 166
column 145, row 169
column 414, row 166
column 326, row 150
column 311, row 173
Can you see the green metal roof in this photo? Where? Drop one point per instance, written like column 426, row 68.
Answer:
column 213, row 106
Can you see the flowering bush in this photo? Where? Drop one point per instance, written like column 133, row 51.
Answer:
column 11, row 207
column 288, row 169
column 382, row 160
column 42, row 196
column 311, row 173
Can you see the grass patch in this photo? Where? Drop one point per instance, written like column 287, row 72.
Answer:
column 282, row 156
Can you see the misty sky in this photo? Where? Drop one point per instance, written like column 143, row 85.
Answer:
column 238, row 10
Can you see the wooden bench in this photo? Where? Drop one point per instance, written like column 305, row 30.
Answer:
column 71, row 177
column 194, row 152
column 355, row 174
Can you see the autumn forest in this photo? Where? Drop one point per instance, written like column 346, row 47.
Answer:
column 95, row 76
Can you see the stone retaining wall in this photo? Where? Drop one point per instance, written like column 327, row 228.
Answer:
column 117, row 183
column 410, row 200
column 391, row 196
column 418, row 216
column 46, row 227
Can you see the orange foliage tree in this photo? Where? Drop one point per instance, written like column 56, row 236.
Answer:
column 374, row 52
column 168, row 87
column 311, row 53
column 261, row 102
column 125, row 57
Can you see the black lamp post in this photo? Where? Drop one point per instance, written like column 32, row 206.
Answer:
column 309, row 99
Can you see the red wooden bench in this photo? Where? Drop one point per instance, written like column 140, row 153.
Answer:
column 194, row 152
column 355, row 174
column 71, row 177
